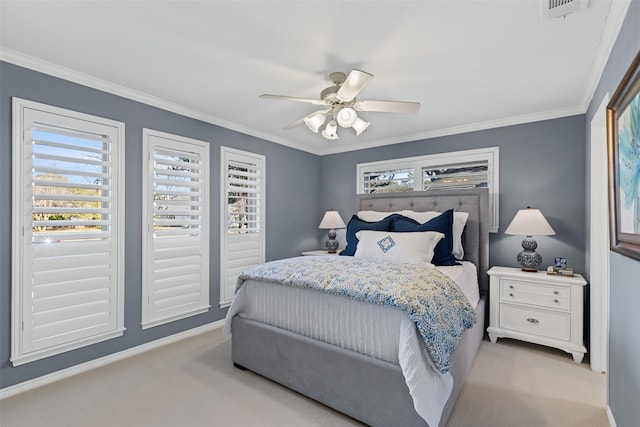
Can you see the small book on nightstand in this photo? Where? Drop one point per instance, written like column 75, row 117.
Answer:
column 559, row 271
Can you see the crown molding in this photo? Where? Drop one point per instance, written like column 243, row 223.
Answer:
column 618, row 11
column 52, row 69
column 455, row 130
column 615, row 19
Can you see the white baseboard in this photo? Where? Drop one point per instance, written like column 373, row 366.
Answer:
column 612, row 421
column 102, row 361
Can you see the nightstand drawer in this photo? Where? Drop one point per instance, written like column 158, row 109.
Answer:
column 543, row 295
column 540, row 322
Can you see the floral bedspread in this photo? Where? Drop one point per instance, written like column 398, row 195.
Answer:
column 431, row 299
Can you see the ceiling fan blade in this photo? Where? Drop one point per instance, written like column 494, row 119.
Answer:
column 388, row 106
column 354, row 83
column 293, row 98
column 294, row 124
column 301, row 121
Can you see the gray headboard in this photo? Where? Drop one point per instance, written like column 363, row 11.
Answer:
column 475, row 201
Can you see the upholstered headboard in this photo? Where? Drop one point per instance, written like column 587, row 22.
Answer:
column 475, row 201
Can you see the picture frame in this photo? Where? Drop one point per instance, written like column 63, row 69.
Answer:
column 623, row 148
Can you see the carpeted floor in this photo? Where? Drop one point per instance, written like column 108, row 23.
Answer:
column 193, row 383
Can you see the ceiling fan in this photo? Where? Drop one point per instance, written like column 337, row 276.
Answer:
column 342, row 106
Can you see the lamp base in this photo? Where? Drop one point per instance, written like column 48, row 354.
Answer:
column 529, row 259
column 332, row 244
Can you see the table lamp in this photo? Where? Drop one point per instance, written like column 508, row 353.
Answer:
column 332, row 220
column 529, row 222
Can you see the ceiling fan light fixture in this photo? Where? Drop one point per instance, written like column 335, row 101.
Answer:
column 360, row 125
column 340, row 103
column 346, row 117
column 314, row 121
column 331, row 131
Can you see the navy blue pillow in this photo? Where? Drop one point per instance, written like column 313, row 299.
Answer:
column 356, row 224
column 443, row 223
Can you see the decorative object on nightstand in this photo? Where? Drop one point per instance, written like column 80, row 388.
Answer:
column 331, row 221
column 538, row 308
column 559, row 268
column 529, row 222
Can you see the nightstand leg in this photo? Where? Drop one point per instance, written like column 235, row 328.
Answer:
column 577, row 356
column 493, row 338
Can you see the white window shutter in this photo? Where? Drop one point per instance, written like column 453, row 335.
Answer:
column 176, row 218
column 68, row 278
column 385, row 180
column 456, row 177
column 443, row 171
column 243, row 217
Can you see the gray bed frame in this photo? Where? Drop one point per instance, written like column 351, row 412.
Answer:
column 368, row 389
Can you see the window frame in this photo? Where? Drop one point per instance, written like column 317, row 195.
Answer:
column 227, row 154
column 151, row 139
column 22, row 350
column 491, row 155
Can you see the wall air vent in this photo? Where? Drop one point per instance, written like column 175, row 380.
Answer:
column 557, row 8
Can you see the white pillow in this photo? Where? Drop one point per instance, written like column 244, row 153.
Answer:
column 374, row 216
column 412, row 248
column 459, row 222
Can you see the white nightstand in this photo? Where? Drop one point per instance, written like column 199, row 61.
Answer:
column 319, row 253
column 538, row 308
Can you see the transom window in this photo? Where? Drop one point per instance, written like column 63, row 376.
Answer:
column 445, row 171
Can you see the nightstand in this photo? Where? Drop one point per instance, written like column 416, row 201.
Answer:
column 319, row 253
column 538, row 308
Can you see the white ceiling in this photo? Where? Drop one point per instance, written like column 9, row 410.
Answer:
column 472, row 64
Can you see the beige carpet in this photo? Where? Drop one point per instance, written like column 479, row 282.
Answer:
column 193, row 383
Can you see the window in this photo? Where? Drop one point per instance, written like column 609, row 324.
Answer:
column 384, row 180
column 242, row 217
column 68, row 235
column 175, row 253
column 456, row 170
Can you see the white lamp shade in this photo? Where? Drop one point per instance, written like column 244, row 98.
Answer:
column 346, row 117
column 314, row 121
column 360, row 126
column 331, row 220
column 529, row 222
column 331, row 131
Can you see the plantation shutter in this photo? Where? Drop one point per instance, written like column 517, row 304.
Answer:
column 443, row 171
column 470, row 175
column 384, row 181
column 176, row 249
column 67, row 281
column 242, row 229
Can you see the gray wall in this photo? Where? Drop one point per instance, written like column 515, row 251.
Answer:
column 293, row 207
column 542, row 165
column 624, row 298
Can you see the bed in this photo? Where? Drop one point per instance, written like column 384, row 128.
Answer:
column 370, row 388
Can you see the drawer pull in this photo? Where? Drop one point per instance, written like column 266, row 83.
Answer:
column 532, row 320
column 556, row 301
column 510, row 286
column 556, row 293
column 511, row 294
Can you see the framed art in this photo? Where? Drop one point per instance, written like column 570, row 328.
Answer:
column 623, row 139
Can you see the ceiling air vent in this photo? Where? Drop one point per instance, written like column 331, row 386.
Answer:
column 557, row 8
